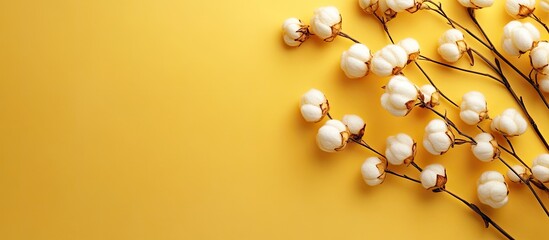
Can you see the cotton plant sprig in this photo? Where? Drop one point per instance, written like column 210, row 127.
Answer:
column 523, row 8
column 401, row 97
column 334, row 135
column 494, row 66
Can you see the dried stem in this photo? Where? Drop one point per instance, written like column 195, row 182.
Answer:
column 487, row 220
column 402, row 176
column 435, row 86
column 537, row 19
column 367, row 146
column 422, row 57
column 451, row 124
column 347, row 36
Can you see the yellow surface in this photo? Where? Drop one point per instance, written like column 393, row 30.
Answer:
column 179, row 120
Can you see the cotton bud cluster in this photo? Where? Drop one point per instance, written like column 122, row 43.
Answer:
column 520, row 8
column 452, row 45
column 473, row 108
column 486, row 147
column 433, row 177
column 519, row 38
column 539, row 58
column 355, row 124
column 314, row 106
column 400, row 96
column 540, row 168
column 510, row 123
column 492, row 189
column 326, row 23
column 476, row 4
column 429, row 95
column 333, row 136
column 438, row 137
column 355, row 62
column 373, row 171
column 295, row 32
column 400, row 149
column 369, row 6
column 521, row 171
column 390, row 60
column 404, row 5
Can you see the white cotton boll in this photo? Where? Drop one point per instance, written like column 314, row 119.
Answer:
column 520, row 8
column 400, row 96
column 492, row 189
column 486, row 149
column 326, row 23
column 539, row 58
column 544, row 4
column 433, row 176
column 521, row 170
column 438, row 137
column 540, row 168
column 295, row 32
column 509, row 123
column 543, row 81
column 373, row 171
column 411, row 46
column 314, row 105
column 452, row 45
column 476, row 3
column 333, row 136
column 430, row 95
column 355, row 62
column 473, row 108
column 400, row 149
column 355, row 124
column 368, row 6
column 403, row 5
column 519, row 38
column 390, row 60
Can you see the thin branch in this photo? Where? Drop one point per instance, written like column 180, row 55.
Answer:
column 422, row 57
column 537, row 19
column 402, row 176
column 367, row 146
column 435, row 86
column 347, row 36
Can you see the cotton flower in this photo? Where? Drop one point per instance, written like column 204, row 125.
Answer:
column 355, row 124
column 492, row 189
column 386, row 11
column 539, row 58
column 540, row 168
column 400, row 149
column 333, row 136
column 400, row 96
column 543, row 81
column 390, row 60
column 369, row 6
column 373, row 171
column 355, row 62
column 438, row 137
column 451, row 45
column 486, row 147
column 404, row 5
column 544, row 4
column 509, row 123
column 295, row 32
column 520, row 8
column 429, row 95
column 326, row 23
column 519, row 38
column 411, row 46
column 473, row 108
column 476, row 3
column 433, row 176
column 314, row 105
column 522, row 172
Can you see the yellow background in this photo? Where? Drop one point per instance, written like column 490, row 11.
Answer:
column 179, row 120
